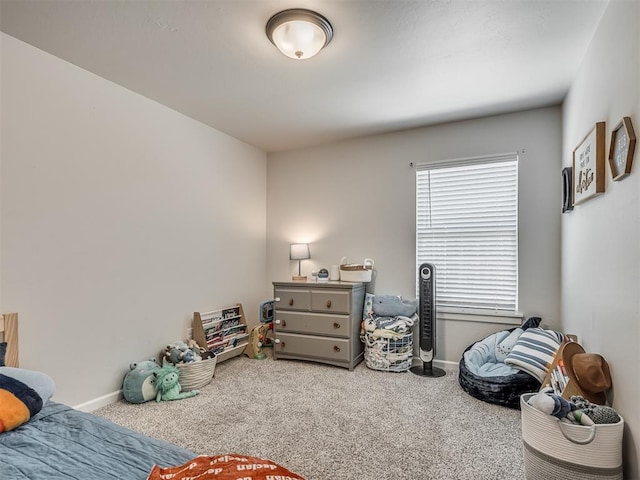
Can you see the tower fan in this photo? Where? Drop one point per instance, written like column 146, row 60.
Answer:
column 427, row 313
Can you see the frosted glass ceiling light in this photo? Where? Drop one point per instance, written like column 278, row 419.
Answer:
column 299, row 33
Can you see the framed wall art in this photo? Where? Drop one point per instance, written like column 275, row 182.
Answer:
column 622, row 148
column 588, row 165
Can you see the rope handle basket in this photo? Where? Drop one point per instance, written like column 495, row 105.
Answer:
column 195, row 375
column 586, row 441
column 554, row 449
column 355, row 267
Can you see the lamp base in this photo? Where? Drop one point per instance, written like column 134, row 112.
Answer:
column 299, row 278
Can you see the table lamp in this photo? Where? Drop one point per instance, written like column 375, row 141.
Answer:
column 299, row 251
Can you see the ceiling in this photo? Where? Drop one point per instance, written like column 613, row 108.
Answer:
column 392, row 64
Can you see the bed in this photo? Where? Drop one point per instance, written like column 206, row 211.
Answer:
column 62, row 443
column 59, row 442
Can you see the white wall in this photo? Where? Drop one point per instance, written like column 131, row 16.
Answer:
column 120, row 217
column 601, row 238
column 357, row 198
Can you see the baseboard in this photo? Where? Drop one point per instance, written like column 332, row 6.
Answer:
column 437, row 363
column 447, row 364
column 99, row 402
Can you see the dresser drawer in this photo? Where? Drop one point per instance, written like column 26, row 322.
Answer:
column 313, row 323
column 292, row 299
column 331, row 301
column 311, row 346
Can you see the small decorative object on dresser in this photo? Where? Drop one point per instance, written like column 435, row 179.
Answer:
column 588, row 165
column 318, row 322
column 623, row 145
column 323, row 275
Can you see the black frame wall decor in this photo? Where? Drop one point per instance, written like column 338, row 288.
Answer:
column 567, row 189
column 622, row 149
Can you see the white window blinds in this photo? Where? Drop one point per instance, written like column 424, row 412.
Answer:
column 467, row 226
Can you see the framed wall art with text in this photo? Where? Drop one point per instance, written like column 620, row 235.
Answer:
column 588, row 165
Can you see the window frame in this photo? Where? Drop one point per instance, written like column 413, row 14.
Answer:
column 474, row 313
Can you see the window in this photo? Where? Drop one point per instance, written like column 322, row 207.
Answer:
column 467, row 226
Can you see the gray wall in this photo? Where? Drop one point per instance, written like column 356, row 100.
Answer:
column 357, row 199
column 120, row 218
column 601, row 237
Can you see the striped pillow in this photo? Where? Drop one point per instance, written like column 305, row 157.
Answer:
column 534, row 351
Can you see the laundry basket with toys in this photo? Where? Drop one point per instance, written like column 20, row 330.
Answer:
column 196, row 364
column 568, row 430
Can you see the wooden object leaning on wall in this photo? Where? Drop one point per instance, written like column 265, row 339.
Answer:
column 9, row 328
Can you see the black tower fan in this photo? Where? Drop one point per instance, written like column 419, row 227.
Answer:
column 427, row 313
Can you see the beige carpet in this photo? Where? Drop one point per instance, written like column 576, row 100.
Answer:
column 327, row 423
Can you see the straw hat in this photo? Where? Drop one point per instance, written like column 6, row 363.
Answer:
column 589, row 372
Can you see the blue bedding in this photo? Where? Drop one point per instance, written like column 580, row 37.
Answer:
column 63, row 443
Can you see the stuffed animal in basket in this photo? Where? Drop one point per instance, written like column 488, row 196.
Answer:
column 180, row 352
column 393, row 305
column 168, row 385
column 139, row 383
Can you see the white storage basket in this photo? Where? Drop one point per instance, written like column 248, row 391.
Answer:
column 386, row 354
column 555, row 450
column 196, row 375
column 352, row 272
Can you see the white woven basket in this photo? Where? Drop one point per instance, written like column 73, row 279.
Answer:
column 558, row 450
column 352, row 272
column 196, row 375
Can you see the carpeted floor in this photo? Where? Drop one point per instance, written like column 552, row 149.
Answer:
column 325, row 422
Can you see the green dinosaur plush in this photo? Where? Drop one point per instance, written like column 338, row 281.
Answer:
column 168, row 385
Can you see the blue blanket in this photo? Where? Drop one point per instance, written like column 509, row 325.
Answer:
column 63, row 443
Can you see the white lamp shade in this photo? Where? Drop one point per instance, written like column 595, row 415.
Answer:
column 299, row 39
column 299, row 251
column 299, row 33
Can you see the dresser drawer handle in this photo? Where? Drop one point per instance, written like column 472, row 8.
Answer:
column 336, row 325
column 336, row 348
column 328, row 303
column 290, row 301
column 279, row 342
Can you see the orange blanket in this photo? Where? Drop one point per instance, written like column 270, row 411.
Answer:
column 224, row 467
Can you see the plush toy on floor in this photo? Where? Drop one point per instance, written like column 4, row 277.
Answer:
column 139, row 383
column 168, row 385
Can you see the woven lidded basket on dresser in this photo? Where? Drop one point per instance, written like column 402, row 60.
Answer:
column 196, row 375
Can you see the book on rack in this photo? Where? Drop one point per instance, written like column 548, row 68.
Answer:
column 223, row 330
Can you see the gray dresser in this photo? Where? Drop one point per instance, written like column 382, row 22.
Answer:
column 318, row 322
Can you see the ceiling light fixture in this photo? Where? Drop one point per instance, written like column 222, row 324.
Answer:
column 299, row 33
